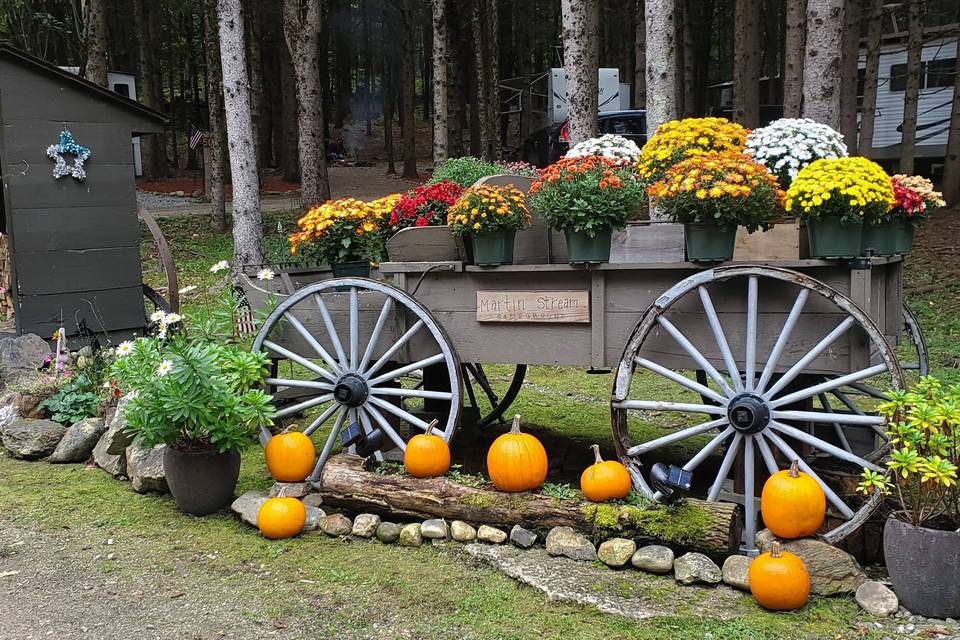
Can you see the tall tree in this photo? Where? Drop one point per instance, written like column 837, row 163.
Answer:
column 247, row 234
column 301, row 28
column 639, row 56
column 408, row 24
column 255, row 47
column 95, row 69
column 871, row 76
column 341, row 22
column 440, row 62
column 794, row 43
column 215, row 141
column 850, row 62
column 661, row 63
column 911, row 96
column 951, row 163
column 746, row 68
column 492, row 66
column 151, row 148
column 581, row 61
column 821, row 65
column 480, row 143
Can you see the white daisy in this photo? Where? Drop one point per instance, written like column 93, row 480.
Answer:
column 157, row 316
column 125, row 348
column 223, row 265
column 165, row 367
column 265, row 274
column 172, row 318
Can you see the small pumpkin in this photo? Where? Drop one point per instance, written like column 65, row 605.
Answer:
column 427, row 454
column 290, row 456
column 779, row 580
column 517, row 461
column 792, row 503
column 281, row 518
column 604, row 480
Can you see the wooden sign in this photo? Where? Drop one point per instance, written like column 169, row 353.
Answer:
column 533, row 306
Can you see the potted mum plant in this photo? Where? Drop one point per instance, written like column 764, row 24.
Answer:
column 202, row 399
column 345, row 233
column 835, row 197
column 679, row 139
column 426, row 205
column 609, row 146
column 490, row 216
column 910, row 220
column 921, row 541
column 789, row 144
column 587, row 198
column 714, row 193
column 882, row 236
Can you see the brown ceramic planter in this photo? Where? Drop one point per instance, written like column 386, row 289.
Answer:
column 924, row 567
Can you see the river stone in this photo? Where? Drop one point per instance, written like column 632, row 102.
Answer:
column 564, row 541
column 336, row 525
column 312, row 523
column 410, row 535
column 365, row 525
column 312, row 500
column 30, row 439
column 491, row 534
column 653, row 558
column 434, row 529
column 616, row 552
column 247, row 506
column 20, row 356
column 877, row 599
column 462, row 532
column 521, row 537
column 79, row 440
column 145, row 468
column 388, row 532
column 289, row 489
column 736, row 571
column 693, row 568
column 832, row 571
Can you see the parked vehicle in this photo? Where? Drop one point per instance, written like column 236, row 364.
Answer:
column 549, row 144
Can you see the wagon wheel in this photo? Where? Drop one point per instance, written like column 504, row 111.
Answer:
column 491, row 396
column 351, row 375
column 753, row 404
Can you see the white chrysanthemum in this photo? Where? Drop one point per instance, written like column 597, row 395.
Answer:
column 609, row 146
column 223, row 265
column 265, row 274
column 165, row 367
column 124, row 348
column 787, row 145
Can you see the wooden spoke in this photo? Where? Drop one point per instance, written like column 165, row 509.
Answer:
column 297, row 408
column 683, row 434
column 685, row 407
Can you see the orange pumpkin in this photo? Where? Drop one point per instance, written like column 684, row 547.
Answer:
column 290, row 456
column 517, row 461
column 604, row 481
column 281, row 518
column 792, row 503
column 779, row 580
column 427, row 455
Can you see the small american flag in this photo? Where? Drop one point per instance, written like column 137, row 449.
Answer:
column 195, row 136
column 246, row 323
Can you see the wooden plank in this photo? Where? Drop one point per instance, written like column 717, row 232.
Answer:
column 109, row 142
column 533, row 306
column 108, row 310
column 61, row 228
column 422, row 244
column 598, row 296
column 782, row 242
column 106, row 186
column 648, row 242
column 84, row 270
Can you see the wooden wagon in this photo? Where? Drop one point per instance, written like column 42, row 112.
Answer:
column 758, row 363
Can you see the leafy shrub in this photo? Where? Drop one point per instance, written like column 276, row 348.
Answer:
column 74, row 401
column 463, row 171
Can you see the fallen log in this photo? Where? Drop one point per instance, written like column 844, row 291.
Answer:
column 696, row 525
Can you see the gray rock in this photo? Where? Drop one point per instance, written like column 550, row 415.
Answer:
column 247, row 506
column 119, row 438
column 145, row 468
column 114, row 464
column 20, row 404
column 8, row 412
column 564, row 541
column 312, row 523
column 79, row 440
column 336, row 525
column 654, row 558
column 462, row 532
column 30, row 439
column 490, row 534
column 435, row 529
column 312, row 500
column 736, row 572
column 832, row 571
column 388, row 532
column 289, row 489
column 521, row 537
column 410, row 535
column 20, row 356
column 876, row 599
column 365, row 525
column 85, row 352
column 616, row 552
column 694, row 568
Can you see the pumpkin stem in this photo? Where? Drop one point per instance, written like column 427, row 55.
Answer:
column 515, row 428
column 795, row 469
column 433, row 423
column 596, row 454
column 775, row 549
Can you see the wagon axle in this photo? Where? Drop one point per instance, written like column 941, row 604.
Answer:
column 748, row 413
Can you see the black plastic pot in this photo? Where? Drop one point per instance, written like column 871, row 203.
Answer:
column 924, row 567
column 201, row 481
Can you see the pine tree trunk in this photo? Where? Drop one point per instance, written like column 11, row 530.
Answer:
column 951, row 163
column 871, row 77
column 492, row 64
column 908, row 140
column 746, row 67
column 215, row 141
column 581, row 61
column 150, row 151
column 255, row 40
column 794, row 43
column 821, row 65
column 640, row 57
column 478, row 109
column 95, row 69
column 290, row 157
column 848, row 74
column 340, row 21
column 661, row 63
column 301, row 28
column 408, row 24
column 440, row 62
column 389, row 89
column 247, row 235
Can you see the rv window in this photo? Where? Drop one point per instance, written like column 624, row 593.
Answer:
column 940, row 73
column 898, row 77
column 122, row 88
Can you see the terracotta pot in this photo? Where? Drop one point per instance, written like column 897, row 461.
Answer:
column 201, row 481
column 923, row 565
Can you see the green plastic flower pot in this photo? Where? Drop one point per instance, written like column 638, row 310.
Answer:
column 879, row 239
column 904, row 237
column 583, row 248
column 829, row 238
column 493, row 248
column 709, row 243
column 356, row 269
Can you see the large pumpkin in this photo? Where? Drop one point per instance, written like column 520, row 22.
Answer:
column 281, row 518
column 290, row 456
column 779, row 580
column 427, row 454
column 517, row 461
column 792, row 503
column 604, row 480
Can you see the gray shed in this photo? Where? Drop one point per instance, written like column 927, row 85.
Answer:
column 72, row 246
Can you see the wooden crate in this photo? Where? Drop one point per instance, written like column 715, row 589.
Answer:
column 644, row 242
column 787, row 241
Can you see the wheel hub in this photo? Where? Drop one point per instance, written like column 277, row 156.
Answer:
column 748, row 413
column 351, row 390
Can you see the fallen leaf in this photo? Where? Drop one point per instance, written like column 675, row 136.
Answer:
column 7, row 574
